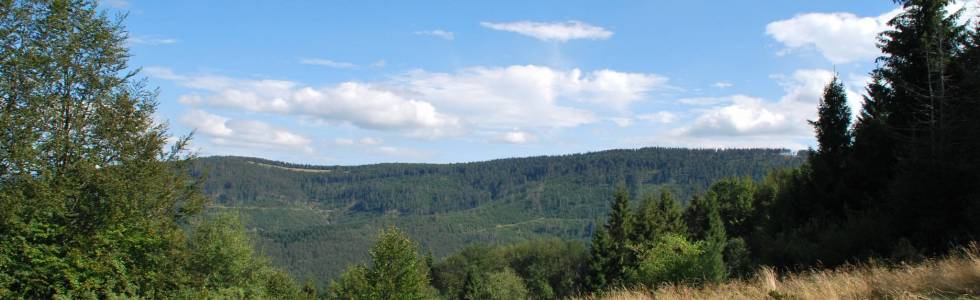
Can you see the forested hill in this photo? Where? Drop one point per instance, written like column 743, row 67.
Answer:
column 315, row 220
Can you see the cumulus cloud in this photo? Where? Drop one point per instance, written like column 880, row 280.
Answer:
column 327, row 63
column 439, row 33
column 663, row 117
column 553, row 31
column 360, row 104
column 839, row 37
column 431, row 104
column 244, row 133
column 845, row 37
column 784, row 120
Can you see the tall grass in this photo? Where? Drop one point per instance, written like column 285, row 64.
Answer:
column 956, row 276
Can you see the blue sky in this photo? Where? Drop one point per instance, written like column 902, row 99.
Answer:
column 355, row 82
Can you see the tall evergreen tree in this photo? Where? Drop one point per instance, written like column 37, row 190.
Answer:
column 713, row 263
column 833, row 126
column 927, row 112
column 620, row 229
column 599, row 261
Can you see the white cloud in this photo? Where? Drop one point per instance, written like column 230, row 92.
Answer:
column 515, row 137
column 663, row 117
column 363, row 105
column 839, row 37
column 379, row 64
column 845, row 37
column 439, row 33
column 244, row 133
column 784, row 121
column 432, row 105
column 723, row 85
column 530, row 96
column 150, row 41
column 553, row 31
column 327, row 63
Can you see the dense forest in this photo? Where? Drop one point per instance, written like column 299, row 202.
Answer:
column 301, row 212
column 98, row 200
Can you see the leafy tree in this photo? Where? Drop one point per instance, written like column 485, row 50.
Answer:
column 670, row 258
column 502, row 285
column 91, row 197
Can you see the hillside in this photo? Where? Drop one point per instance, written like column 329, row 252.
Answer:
column 315, row 220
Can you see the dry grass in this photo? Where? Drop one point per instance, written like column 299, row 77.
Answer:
column 953, row 277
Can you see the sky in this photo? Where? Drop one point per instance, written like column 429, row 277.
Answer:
column 360, row 82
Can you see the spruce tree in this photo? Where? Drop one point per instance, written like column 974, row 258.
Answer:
column 833, row 126
column 619, row 228
column 599, row 261
column 712, row 262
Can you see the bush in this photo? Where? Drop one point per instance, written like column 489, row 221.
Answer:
column 670, row 259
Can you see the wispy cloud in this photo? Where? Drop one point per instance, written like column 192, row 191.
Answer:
column 439, row 33
column 327, row 63
column 150, row 41
column 553, row 31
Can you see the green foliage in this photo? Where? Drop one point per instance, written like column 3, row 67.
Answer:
column 222, row 258
column 547, row 269
column 670, row 258
column 713, row 263
column 502, row 285
column 833, row 125
column 396, row 272
column 90, row 198
column 656, row 217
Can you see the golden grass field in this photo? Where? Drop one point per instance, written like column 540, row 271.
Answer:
column 954, row 277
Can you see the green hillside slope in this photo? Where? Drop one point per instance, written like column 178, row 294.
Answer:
column 315, row 220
